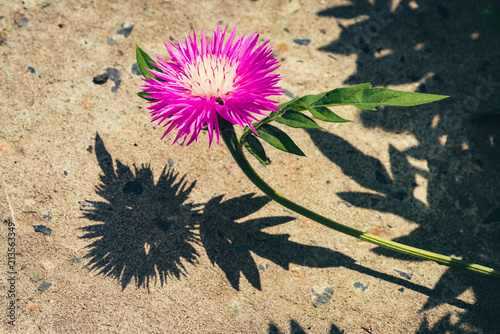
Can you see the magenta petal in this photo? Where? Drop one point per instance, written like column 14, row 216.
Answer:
column 201, row 81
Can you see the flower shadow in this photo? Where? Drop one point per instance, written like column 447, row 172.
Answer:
column 145, row 230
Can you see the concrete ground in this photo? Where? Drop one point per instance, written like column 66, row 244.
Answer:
column 151, row 237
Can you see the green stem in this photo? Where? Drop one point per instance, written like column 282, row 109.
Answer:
column 235, row 147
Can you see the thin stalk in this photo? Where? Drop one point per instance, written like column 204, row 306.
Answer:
column 235, row 147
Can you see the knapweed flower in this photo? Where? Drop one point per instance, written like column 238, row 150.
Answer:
column 200, row 82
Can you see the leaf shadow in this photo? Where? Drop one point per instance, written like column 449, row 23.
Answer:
column 441, row 47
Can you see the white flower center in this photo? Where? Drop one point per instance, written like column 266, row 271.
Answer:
column 210, row 76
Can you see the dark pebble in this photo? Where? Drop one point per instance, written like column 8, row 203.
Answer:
column 401, row 289
column 89, row 149
column 20, row 19
column 132, row 188
column 171, row 162
column 321, row 294
column 263, row 267
column 76, row 260
column 48, row 217
column 328, row 181
column 111, row 41
column 46, row 4
column 100, row 79
column 125, row 31
column 42, row 228
column 288, row 93
column 31, row 70
column 302, row 41
column 115, row 76
column 403, row 274
column 65, row 173
column 60, row 25
column 135, row 69
column 163, row 224
column 44, row 286
column 286, row 29
column 360, row 286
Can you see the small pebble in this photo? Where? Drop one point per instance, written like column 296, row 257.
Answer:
column 321, row 294
column 31, row 70
column 46, row 4
column 32, row 306
column 171, row 162
column 76, row 260
column 360, row 286
column 403, row 274
column 132, row 188
column 288, row 211
column 150, row 10
column 302, row 41
column 263, row 267
column 89, row 149
column 125, row 30
column 111, row 41
column 33, row 275
column 135, row 69
column 65, row 173
column 401, row 289
column 100, row 79
column 286, row 29
column 43, row 229
column 20, row 19
column 44, row 286
column 47, row 217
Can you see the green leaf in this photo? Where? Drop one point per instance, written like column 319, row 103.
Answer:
column 145, row 96
column 145, row 62
column 325, row 114
column 255, row 148
column 361, row 96
column 296, row 119
column 491, row 14
column 278, row 139
column 493, row 217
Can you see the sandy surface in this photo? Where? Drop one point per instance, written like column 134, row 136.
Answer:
column 154, row 238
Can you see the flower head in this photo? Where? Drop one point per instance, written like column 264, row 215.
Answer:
column 226, row 78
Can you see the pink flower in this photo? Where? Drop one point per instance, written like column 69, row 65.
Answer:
column 230, row 79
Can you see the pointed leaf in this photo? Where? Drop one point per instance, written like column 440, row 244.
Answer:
column 295, row 119
column 255, row 148
column 278, row 139
column 145, row 96
column 361, row 96
column 325, row 114
column 493, row 217
column 366, row 98
column 145, row 62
